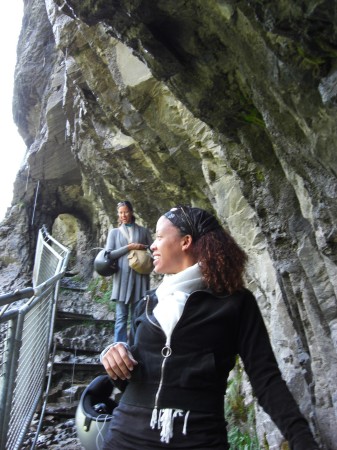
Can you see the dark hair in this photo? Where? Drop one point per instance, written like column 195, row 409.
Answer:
column 125, row 203
column 129, row 206
column 222, row 261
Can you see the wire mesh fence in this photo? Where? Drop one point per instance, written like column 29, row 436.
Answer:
column 26, row 329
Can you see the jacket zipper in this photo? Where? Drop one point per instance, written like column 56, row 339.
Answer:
column 162, row 372
column 166, row 351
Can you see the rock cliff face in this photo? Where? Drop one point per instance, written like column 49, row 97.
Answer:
column 227, row 105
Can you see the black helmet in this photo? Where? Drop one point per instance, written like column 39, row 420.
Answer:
column 103, row 265
column 94, row 412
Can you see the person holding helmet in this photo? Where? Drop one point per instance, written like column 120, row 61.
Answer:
column 185, row 338
column 128, row 286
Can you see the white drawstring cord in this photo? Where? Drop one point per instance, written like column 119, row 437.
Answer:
column 99, row 426
column 185, row 422
column 164, row 420
column 154, row 418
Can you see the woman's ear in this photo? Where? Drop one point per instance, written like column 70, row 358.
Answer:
column 186, row 242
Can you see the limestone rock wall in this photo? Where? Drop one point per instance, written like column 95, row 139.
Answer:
column 226, row 105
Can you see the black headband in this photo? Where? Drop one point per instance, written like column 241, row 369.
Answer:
column 125, row 203
column 193, row 221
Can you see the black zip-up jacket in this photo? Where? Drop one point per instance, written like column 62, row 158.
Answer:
column 211, row 332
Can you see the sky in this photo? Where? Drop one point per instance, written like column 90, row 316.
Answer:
column 12, row 149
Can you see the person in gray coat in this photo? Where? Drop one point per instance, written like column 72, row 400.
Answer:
column 128, row 286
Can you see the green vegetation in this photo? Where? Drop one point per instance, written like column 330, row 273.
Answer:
column 241, row 441
column 77, row 278
column 100, row 291
column 253, row 116
column 240, row 416
column 260, row 176
column 310, row 60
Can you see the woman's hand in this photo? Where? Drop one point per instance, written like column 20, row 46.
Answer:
column 119, row 362
column 135, row 246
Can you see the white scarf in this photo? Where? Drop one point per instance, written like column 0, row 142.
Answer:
column 172, row 295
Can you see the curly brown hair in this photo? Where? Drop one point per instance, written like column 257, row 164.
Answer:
column 222, row 261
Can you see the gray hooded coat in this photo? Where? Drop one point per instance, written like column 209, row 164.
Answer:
column 126, row 282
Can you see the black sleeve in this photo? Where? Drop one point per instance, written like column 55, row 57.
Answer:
column 268, row 385
column 139, row 310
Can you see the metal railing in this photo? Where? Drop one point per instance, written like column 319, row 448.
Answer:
column 26, row 330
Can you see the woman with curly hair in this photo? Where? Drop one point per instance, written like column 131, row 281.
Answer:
column 185, row 337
